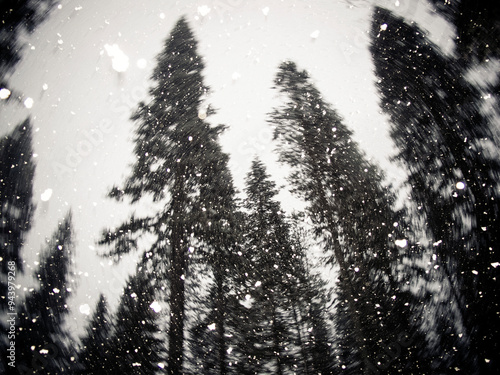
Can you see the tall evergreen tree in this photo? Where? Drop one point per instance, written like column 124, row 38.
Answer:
column 444, row 143
column 93, row 357
column 180, row 166
column 42, row 341
column 273, row 317
column 17, row 170
column 135, row 346
column 352, row 212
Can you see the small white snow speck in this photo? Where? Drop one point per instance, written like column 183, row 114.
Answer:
column 258, row 283
column 56, row 291
column 85, row 309
column 211, row 327
column 496, row 264
column 229, row 350
column 437, row 243
column 401, row 243
column 265, row 11
column 475, row 272
column 236, row 76
column 203, row 10
column 396, row 3
column 315, row 34
column 247, row 297
column 383, row 27
column 4, row 93
column 162, row 16
column 28, row 103
column 119, row 61
column 44, row 351
column 460, row 185
column 46, row 195
column 136, row 364
column 356, row 269
column 45, row 87
column 161, row 365
column 155, row 306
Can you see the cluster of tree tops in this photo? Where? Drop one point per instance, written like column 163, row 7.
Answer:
column 239, row 295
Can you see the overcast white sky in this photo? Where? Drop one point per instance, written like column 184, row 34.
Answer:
column 76, row 90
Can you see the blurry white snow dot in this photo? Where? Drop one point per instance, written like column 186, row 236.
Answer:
column 401, row 243
column 496, row 264
column 229, row 350
column 46, row 195
column 265, row 11
column 203, row 10
column 487, row 360
column 136, row 364
column 59, row 6
column 60, row 41
column 4, row 93
column 211, row 327
column 44, row 351
column 28, row 103
column 85, row 309
column 119, row 61
column 56, row 291
column 475, row 272
column 202, row 115
column 437, row 243
column 45, row 87
column 258, row 283
column 142, row 63
column 248, row 296
column 396, row 3
column 460, row 185
column 315, row 34
column 383, row 27
column 161, row 365
column 235, row 76
column 155, row 306
column 356, row 269
column 395, row 224
column 162, row 16
column 190, row 138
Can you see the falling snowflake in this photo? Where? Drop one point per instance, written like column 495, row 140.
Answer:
column 46, row 195
column 85, row 309
column 203, row 10
column 315, row 34
column 211, row 327
column 155, row 306
column 4, row 93
column 119, row 61
column 28, row 103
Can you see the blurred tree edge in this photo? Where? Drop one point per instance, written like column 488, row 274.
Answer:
column 16, row 18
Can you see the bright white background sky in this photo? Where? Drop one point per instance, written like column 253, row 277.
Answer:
column 67, row 72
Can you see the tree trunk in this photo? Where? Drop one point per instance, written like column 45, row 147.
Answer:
column 177, row 286
column 220, row 321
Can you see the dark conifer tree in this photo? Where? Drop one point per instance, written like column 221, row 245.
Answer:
column 273, row 317
column 352, row 212
column 135, row 345
column 18, row 17
column 180, row 166
column 444, row 143
column 42, row 341
column 93, row 357
column 17, row 170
